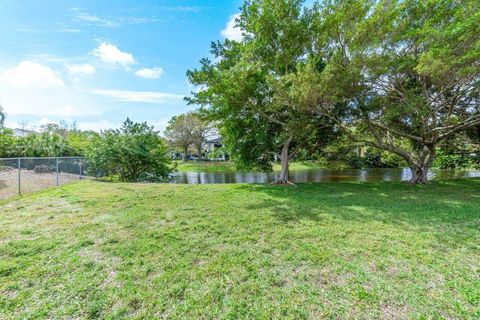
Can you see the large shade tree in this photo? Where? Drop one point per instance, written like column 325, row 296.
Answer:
column 260, row 89
column 179, row 132
column 202, row 129
column 188, row 129
column 409, row 70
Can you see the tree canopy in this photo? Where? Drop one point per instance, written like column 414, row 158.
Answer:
column 135, row 152
column 188, row 129
column 401, row 76
column 409, row 71
column 259, row 89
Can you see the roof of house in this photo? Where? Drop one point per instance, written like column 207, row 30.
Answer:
column 215, row 140
column 24, row 131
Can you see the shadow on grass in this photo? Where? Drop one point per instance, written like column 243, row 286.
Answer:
column 450, row 202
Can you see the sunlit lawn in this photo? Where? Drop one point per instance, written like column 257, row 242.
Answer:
column 338, row 251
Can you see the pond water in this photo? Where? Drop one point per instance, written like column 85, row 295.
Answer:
column 318, row 175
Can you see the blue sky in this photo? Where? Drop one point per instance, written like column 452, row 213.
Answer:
column 99, row 62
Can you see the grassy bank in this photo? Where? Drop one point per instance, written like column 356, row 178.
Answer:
column 337, row 251
column 227, row 166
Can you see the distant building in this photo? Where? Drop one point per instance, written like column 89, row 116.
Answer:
column 211, row 145
column 22, row 133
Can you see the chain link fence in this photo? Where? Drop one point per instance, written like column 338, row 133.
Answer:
column 23, row 175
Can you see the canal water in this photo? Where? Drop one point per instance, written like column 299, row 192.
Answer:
column 318, row 175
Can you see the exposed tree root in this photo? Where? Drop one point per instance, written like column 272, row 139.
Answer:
column 284, row 183
column 419, row 182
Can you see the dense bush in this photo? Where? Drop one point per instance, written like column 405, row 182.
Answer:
column 80, row 141
column 7, row 141
column 46, row 144
column 133, row 153
column 447, row 159
column 342, row 154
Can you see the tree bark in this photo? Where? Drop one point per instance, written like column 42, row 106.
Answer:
column 420, row 168
column 284, row 159
column 419, row 174
column 185, row 153
column 199, row 150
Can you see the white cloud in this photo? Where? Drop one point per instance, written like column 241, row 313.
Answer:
column 109, row 53
column 28, row 73
column 153, row 73
column 183, row 9
column 231, row 31
column 96, row 125
column 100, row 22
column 32, row 89
column 83, row 69
column 139, row 96
column 159, row 125
column 70, row 30
column 12, row 124
column 113, row 22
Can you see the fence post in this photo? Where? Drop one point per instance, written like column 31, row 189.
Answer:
column 56, row 164
column 19, row 177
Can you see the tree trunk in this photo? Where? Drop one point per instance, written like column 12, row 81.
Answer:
column 199, row 150
column 420, row 168
column 185, row 153
column 419, row 174
column 284, row 159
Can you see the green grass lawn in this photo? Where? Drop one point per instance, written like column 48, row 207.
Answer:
column 227, row 166
column 316, row 251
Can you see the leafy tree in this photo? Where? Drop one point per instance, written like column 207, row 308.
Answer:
column 179, row 132
column 188, row 129
column 133, row 153
column 7, row 143
column 261, row 90
column 7, row 140
column 201, row 130
column 460, row 151
column 2, row 117
column 409, row 70
column 81, row 140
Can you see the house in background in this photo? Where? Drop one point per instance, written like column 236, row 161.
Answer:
column 211, row 146
column 22, row 133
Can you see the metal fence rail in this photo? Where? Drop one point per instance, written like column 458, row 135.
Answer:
column 23, row 175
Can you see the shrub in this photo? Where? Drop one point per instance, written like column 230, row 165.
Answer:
column 133, row 153
column 7, row 141
column 456, row 160
column 46, row 144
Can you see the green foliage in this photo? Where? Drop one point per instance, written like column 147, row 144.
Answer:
column 2, row 117
column 408, row 69
column 7, row 141
column 344, row 153
column 188, row 129
column 133, row 153
column 46, row 144
column 456, row 160
column 263, row 90
column 81, row 140
column 218, row 153
column 456, row 156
